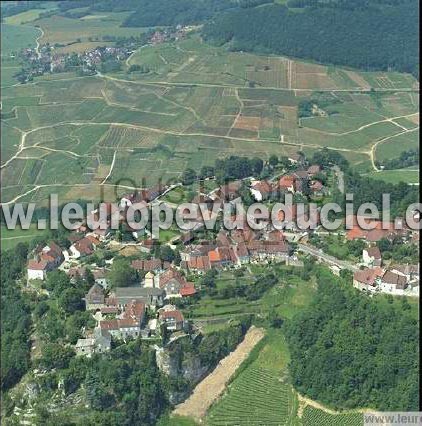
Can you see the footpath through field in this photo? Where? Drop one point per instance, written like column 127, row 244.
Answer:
column 207, row 391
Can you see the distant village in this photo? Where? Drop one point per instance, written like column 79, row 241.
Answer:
column 45, row 58
column 150, row 308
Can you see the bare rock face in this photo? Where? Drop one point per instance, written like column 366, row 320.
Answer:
column 164, row 361
column 192, row 369
column 185, row 366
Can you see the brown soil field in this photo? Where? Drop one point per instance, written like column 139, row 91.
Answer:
column 358, row 79
column 247, row 123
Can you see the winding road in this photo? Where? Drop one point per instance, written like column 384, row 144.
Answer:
column 330, row 260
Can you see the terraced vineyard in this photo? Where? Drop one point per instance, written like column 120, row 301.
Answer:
column 256, row 397
column 314, row 417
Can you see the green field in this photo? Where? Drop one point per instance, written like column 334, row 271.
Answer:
column 261, row 393
column 401, row 175
column 63, row 30
column 16, row 37
column 314, row 417
column 285, row 298
column 9, row 237
column 393, row 147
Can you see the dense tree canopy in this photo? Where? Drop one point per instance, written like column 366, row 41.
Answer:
column 348, row 350
column 122, row 274
column 15, row 318
column 344, row 34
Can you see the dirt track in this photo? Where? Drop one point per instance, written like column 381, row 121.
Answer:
column 207, row 391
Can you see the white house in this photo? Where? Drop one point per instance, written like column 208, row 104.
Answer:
column 37, row 270
column 371, row 256
column 393, row 283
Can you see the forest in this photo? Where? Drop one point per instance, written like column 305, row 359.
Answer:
column 15, row 318
column 351, row 351
column 343, row 34
column 149, row 13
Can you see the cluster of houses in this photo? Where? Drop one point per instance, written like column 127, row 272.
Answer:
column 295, row 182
column 141, row 310
column 122, row 312
column 378, row 230
column 170, row 34
column 45, row 259
column 396, row 280
column 46, row 59
column 234, row 248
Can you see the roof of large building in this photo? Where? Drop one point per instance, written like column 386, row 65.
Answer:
column 171, row 274
column 286, row 181
column 368, row 276
column 137, row 292
column 176, row 315
column 95, row 294
column 188, row 290
column 36, row 265
column 391, row 278
column 84, row 246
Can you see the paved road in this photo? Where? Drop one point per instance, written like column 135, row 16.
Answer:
column 330, row 260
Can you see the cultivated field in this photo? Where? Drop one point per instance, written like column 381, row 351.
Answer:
column 83, row 33
column 261, row 393
column 198, row 103
column 312, row 417
column 410, row 175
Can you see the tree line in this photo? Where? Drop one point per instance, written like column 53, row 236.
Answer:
column 406, row 159
column 341, row 35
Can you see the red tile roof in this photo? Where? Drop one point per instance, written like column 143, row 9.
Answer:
column 84, row 246
column 109, row 325
column 93, row 240
column 214, row 256
column 36, row 265
column 392, row 278
column 171, row 274
column 286, row 181
column 176, row 315
column 187, row 290
column 134, row 310
column 317, row 186
column 263, row 187
column 201, row 263
column 368, row 276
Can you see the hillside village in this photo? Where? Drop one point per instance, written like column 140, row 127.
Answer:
column 45, row 59
column 152, row 305
column 264, row 115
